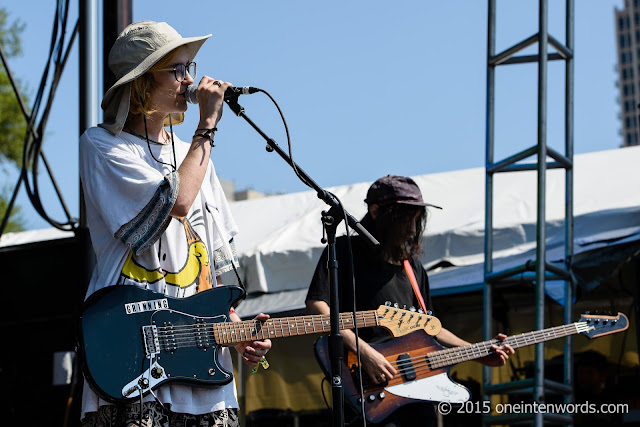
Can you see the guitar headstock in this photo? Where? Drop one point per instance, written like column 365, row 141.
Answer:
column 596, row 325
column 401, row 322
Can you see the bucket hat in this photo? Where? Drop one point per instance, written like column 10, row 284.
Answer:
column 396, row 189
column 138, row 47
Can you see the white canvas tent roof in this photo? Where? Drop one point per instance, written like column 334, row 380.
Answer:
column 279, row 238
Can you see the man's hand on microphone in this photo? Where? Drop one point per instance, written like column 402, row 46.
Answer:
column 210, row 95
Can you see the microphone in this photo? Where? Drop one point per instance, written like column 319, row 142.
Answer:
column 231, row 92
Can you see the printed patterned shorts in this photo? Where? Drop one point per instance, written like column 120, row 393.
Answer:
column 156, row 416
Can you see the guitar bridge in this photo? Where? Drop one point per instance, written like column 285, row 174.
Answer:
column 151, row 342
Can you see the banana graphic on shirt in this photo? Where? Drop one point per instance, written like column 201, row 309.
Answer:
column 196, row 269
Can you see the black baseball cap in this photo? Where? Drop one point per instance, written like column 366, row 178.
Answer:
column 396, row 189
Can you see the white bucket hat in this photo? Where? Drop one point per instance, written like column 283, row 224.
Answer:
column 138, row 48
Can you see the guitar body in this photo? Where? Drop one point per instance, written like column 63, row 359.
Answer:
column 135, row 340
column 416, row 380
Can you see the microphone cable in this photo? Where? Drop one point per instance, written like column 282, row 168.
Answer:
column 286, row 128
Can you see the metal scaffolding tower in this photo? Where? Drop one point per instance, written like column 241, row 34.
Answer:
column 534, row 272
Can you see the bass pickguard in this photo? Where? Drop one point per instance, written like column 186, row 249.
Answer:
column 416, row 380
column 438, row 388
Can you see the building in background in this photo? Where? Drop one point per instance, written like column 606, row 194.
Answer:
column 232, row 195
column 628, row 41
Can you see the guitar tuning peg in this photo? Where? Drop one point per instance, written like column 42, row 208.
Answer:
column 412, row 308
column 387, row 303
column 420, row 311
column 404, row 307
column 429, row 313
column 395, row 305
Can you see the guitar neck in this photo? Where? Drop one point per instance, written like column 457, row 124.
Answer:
column 450, row 356
column 232, row 333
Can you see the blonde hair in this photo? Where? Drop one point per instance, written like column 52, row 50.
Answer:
column 143, row 86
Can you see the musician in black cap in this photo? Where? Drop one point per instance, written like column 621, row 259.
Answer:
column 396, row 217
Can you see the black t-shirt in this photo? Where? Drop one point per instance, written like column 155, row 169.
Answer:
column 376, row 282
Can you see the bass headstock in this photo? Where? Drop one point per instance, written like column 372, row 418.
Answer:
column 401, row 321
column 596, row 325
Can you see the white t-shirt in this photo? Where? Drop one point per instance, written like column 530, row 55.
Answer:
column 128, row 196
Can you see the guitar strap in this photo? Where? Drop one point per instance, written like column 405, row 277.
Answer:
column 217, row 220
column 414, row 284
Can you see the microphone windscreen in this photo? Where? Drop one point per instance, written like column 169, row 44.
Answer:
column 190, row 94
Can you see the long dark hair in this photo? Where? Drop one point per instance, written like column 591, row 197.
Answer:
column 389, row 226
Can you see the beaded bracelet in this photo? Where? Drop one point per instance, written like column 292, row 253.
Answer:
column 208, row 133
column 262, row 362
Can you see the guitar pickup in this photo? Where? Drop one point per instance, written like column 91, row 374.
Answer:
column 406, row 367
column 151, row 342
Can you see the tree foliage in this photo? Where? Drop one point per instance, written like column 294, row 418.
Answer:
column 12, row 122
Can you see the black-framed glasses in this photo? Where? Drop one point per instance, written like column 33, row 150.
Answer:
column 180, row 71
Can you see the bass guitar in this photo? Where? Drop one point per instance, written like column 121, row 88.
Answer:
column 134, row 340
column 423, row 365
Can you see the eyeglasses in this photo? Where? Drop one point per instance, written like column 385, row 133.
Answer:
column 180, row 71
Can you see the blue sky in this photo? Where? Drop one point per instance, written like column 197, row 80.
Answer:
column 367, row 87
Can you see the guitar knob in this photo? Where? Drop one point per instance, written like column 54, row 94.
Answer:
column 156, row 373
column 382, row 395
column 143, row 382
column 372, row 398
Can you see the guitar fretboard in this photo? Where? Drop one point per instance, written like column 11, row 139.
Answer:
column 450, row 356
column 231, row 333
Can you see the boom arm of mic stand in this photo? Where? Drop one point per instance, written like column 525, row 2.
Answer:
column 322, row 194
column 330, row 222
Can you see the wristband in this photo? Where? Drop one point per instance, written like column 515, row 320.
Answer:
column 208, row 133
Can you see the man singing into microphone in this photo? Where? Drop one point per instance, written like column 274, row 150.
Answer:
column 150, row 199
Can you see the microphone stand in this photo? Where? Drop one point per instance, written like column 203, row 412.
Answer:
column 330, row 221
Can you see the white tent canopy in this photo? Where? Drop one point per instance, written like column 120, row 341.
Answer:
column 279, row 241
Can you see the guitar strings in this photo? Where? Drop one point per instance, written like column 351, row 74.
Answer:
column 450, row 356
column 198, row 335
column 229, row 332
column 233, row 332
column 180, row 336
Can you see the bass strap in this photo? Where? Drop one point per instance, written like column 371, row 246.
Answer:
column 414, row 284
